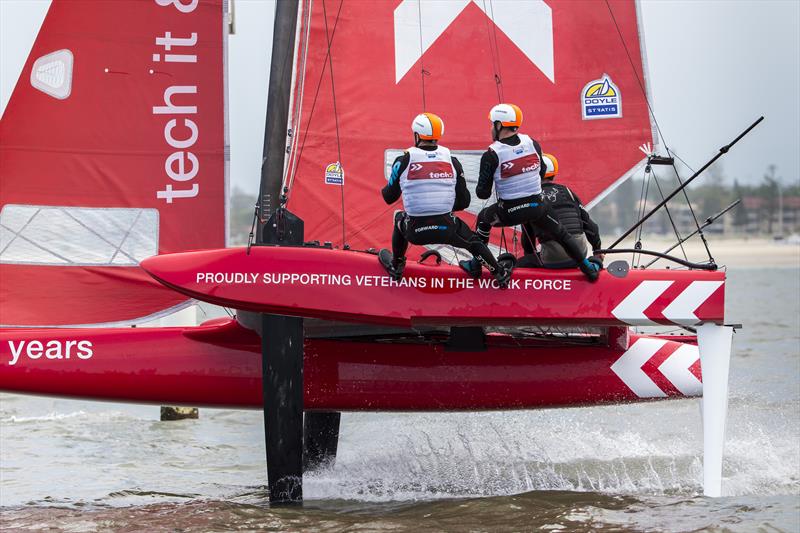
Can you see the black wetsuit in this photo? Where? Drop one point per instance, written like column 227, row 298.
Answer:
column 566, row 207
column 530, row 210
column 444, row 228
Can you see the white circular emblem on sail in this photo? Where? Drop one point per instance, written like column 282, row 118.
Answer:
column 52, row 74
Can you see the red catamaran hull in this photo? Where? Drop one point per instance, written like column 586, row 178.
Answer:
column 219, row 365
column 349, row 285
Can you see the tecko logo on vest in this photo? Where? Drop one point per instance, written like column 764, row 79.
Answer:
column 601, row 99
column 430, row 170
column 521, row 165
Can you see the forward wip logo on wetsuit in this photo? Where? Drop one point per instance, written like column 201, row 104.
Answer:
column 527, row 163
column 430, row 170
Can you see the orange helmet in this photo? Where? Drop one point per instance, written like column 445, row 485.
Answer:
column 508, row 115
column 551, row 165
column 428, row 126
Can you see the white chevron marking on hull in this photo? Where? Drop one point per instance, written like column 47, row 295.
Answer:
column 676, row 369
column 681, row 310
column 629, row 368
column 631, row 309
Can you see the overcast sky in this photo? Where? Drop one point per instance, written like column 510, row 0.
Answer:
column 714, row 67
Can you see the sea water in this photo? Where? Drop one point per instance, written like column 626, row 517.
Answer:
column 83, row 466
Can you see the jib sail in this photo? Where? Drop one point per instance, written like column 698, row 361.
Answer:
column 112, row 149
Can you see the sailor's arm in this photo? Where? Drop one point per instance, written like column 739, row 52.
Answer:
column 542, row 167
column 489, row 163
column 462, row 193
column 391, row 193
column 590, row 228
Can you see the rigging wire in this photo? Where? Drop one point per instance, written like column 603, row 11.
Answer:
column 422, row 71
column 316, row 94
column 335, row 112
column 658, row 129
column 498, row 82
column 636, row 73
column 494, row 51
column 259, row 210
column 669, row 215
column 499, row 75
column 642, row 207
column 297, row 95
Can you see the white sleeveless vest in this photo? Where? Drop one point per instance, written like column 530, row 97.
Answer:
column 517, row 175
column 428, row 182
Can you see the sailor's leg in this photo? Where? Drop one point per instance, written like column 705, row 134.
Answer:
column 486, row 219
column 714, row 343
column 399, row 241
column 552, row 226
column 557, row 230
column 464, row 238
column 528, row 245
column 395, row 262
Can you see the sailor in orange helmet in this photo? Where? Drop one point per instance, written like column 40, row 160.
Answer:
column 432, row 185
column 513, row 164
column 566, row 207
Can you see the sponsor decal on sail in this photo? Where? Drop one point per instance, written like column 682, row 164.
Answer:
column 52, row 74
column 334, row 174
column 601, row 99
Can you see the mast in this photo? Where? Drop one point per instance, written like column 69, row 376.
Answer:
column 278, row 97
column 281, row 336
column 294, row 441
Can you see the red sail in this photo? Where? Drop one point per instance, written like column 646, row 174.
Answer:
column 112, row 149
column 564, row 63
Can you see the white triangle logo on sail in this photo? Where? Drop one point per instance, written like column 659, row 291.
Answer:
column 529, row 25
column 52, row 74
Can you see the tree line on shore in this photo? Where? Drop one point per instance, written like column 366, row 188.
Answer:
column 763, row 202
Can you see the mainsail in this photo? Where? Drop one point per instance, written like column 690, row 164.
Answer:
column 365, row 69
column 113, row 148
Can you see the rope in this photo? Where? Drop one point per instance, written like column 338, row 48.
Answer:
column 642, row 206
column 422, row 71
column 691, row 209
column 297, row 96
column 316, row 94
column 498, row 77
column 669, row 215
column 660, row 133
column 259, row 207
column 638, row 79
column 335, row 112
column 494, row 50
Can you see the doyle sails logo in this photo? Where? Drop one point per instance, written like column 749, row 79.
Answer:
column 334, row 174
column 601, row 99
